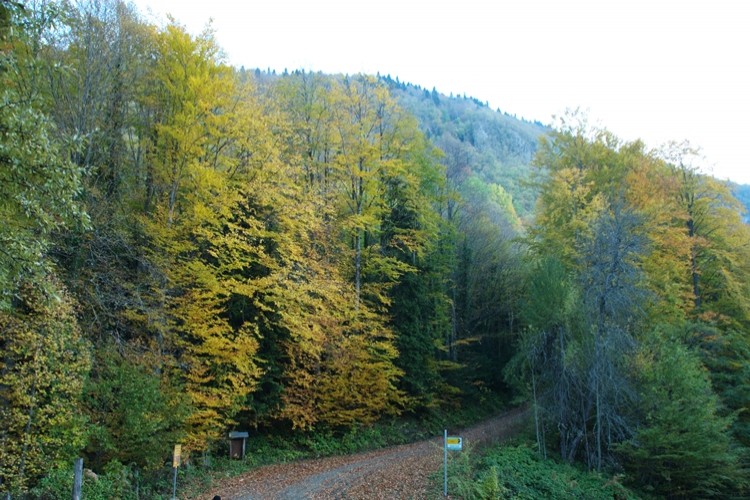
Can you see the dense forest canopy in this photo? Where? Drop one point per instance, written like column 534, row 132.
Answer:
column 188, row 248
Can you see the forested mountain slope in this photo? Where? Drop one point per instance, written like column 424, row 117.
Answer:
column 189, row 248
column 493, row 146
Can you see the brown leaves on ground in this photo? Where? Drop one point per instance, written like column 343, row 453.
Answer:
column 397, row 472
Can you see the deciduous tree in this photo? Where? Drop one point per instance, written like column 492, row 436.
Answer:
column 44, row 361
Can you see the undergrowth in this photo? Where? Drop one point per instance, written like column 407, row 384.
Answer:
column 517, row 472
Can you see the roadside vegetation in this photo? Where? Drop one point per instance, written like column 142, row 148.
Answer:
column 517, row 471
column 206, row 472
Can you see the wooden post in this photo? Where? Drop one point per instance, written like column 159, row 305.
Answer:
column 77, row 478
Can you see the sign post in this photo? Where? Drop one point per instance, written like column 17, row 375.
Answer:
column 452, row 443
column 176, row 459
column 445, row 462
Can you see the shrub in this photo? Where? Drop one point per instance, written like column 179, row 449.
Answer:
column 518, row 472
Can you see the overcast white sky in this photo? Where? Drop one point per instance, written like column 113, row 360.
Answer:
column 653, row 69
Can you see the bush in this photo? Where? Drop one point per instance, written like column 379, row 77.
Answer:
column 59, row 484
column 518, row 472
column 115, row 482
column 135, row 417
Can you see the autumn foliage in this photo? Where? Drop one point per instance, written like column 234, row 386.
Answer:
column 188, row 248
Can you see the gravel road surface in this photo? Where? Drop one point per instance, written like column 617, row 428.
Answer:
column 400, row 472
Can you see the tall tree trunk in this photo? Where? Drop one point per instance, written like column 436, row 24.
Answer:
column 358, row 266
column 694, row 271
column 540, row 441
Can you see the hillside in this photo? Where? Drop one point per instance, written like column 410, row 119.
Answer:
column 478, row 142
column 494, row 146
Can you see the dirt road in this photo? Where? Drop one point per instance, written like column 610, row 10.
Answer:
column 399, row 472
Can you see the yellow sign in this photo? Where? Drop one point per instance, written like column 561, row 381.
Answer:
column 453, row 443
column 176, row 457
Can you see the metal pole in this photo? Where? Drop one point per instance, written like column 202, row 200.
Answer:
column 174, row 484
column 445, row 462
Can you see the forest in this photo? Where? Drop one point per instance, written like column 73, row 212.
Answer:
column 189, row 248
